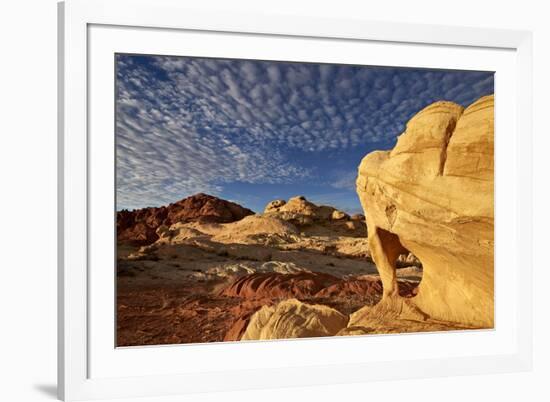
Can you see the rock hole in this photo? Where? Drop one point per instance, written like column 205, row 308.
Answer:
column 407, row 266
column 409, row 274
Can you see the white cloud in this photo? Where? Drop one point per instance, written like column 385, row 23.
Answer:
column 186, row 125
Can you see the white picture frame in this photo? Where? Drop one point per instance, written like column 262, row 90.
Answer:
column 79, row 377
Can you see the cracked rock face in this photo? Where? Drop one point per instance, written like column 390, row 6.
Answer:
column 433, row 195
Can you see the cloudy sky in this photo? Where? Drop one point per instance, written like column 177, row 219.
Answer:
column 254, row 131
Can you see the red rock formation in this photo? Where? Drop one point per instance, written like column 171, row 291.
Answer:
column 138, row 227
column 364, row 286
column 237, row 330
column 302, row 285
column 276, row 285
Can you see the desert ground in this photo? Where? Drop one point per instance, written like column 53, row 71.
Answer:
column 201, row 281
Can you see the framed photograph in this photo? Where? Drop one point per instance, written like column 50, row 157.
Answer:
column 253, row 201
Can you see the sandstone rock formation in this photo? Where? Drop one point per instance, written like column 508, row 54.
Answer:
column 367, row 286
column 138, row 227
column 276, row 285
column 274, row 206
column 294, row 319
column 302, row 285
column 299, row 205
column 258, row 230
column 338, row 215
column 345, row 295
column 432, row 195
column 314, row 219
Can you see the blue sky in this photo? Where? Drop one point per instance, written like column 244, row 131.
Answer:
column 253, row 131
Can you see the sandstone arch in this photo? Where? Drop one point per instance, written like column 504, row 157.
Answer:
column 433, row 195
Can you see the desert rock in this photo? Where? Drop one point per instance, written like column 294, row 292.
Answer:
column 299, row 205
column 367, row 285
column 338, row 215
column 432, row 195
column 315, row 220
column 276, row 285
column 258, row 229
column 274, row 206
column 138, row 227
column 294, row 319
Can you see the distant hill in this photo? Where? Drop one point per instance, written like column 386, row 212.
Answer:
column 138, row 227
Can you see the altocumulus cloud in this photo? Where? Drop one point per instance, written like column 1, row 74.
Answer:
column 186, row 125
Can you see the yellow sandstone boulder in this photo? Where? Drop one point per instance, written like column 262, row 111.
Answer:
column 294, row 319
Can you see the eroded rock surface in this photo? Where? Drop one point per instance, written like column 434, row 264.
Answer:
column 276, row 285
column 316, row 220
column 432, row 195
column 294, row 319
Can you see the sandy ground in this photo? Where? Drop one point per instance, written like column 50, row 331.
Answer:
column 187, row 291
